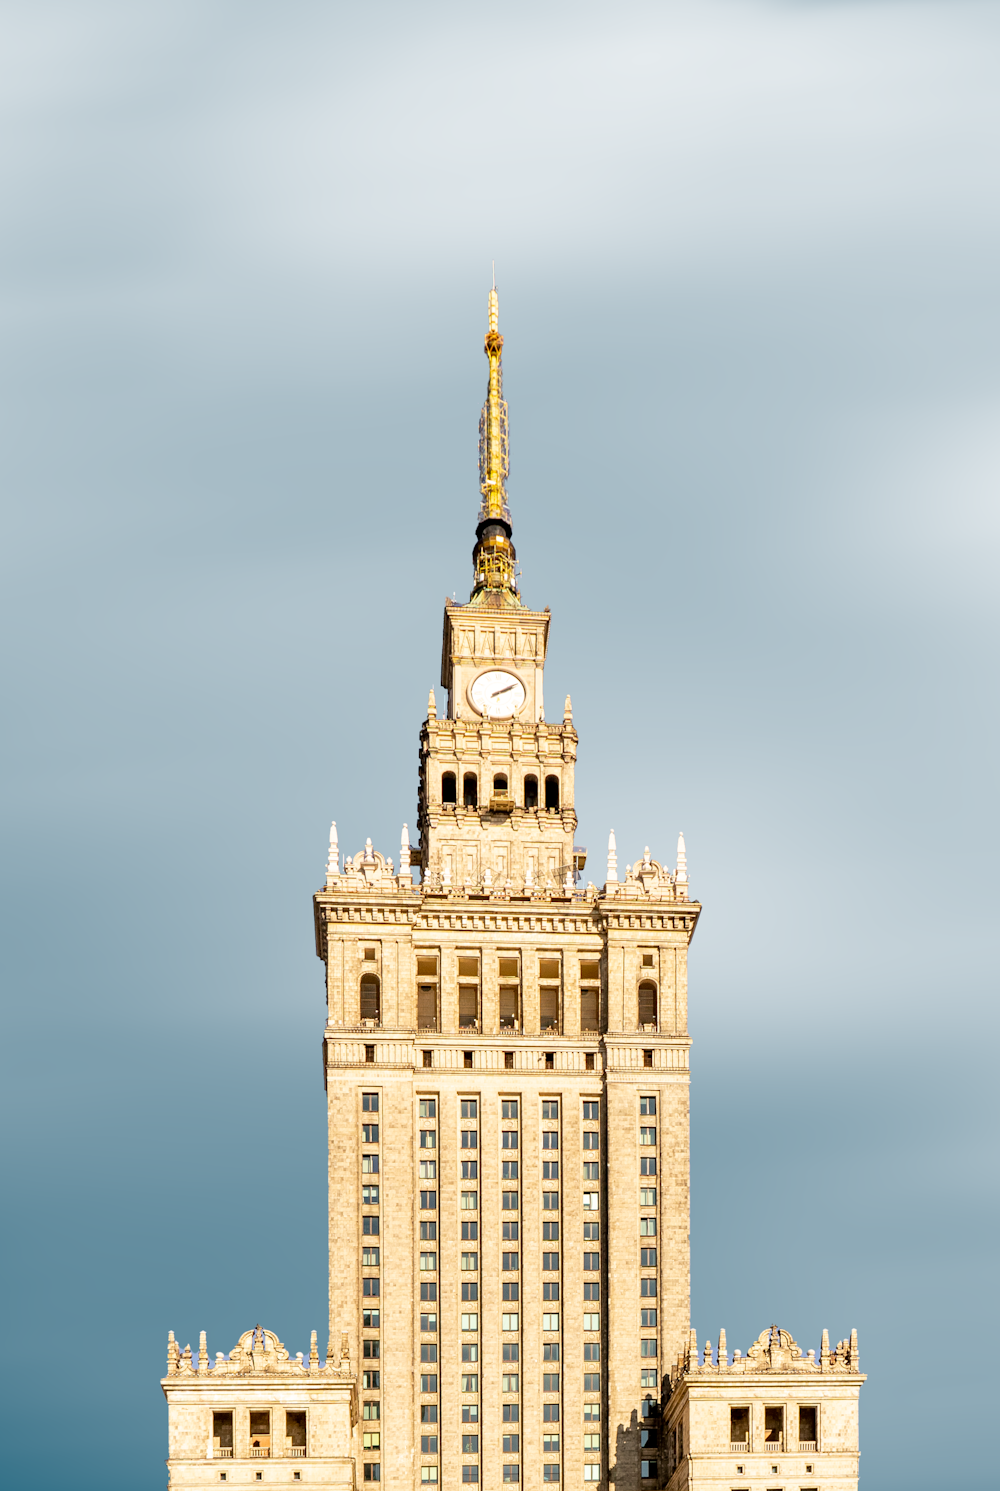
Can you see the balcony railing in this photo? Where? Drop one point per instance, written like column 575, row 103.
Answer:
column 296, row 1451
column 739, row 1446
column 770, row 1446
column 256, row 1453
column 807, row 1446
column 223, row 1452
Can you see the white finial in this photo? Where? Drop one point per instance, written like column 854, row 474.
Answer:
column 646, row 860
column 369, row 854
column 568, row 711
column 612, row 859
column 682, row 868
column 333, row 858
column 432, row 709
column 568, row 882
column 446, row 876
column 404, row 850
column 487, row 877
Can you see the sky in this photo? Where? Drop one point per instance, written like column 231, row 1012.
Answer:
column 746, row 253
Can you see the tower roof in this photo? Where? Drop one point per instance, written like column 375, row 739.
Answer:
column 494, row 557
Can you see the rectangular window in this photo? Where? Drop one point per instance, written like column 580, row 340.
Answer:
column 550, row 1351
column 222, row 1434
column 429, row 1323
column 647, row 1257
column 373, row 1471
column 511, row 1413
column 428, row 1382
column 510, row 1383
column 591, row 1471
column 428, row 1108
column 591, row 1231
column 369, row 1133
column 470, row 1351
column 647, row 1317
column 428, row 1138
column 647, row 1107
column 592, row 1351
column 428, row 1200
column 647, row 1196
column 470, row 1200
column 550, row 1322
column 647, row 1165
column 510, row 1292
column 428, row 1231
column 592, row 1170
column 369, row 1257
column 371, row 1379
column 470, row 1138
column 428, row 1262
column 428, row 1413
column 511, row 1351
column 369, row 1164
column 550, row 1231
column 774, row 1424
column 647, row 1286
column 370, row 1319
column 470, row 1108
column 429, row 1351
column 550, row 1109
column 508, row 1139
column 428, row 1291
column 512, row 1473
column 510, row 1262
column 550, row 1291
column 591, row 1322
column 591, row 1382
column 511, row 1444
column 428, row 1169
column 648, row 1470
column 372, row 1440
column 550, row 1262
column 550, row 1411
column 470, row 1444
column 550, row 1139
column 470, row 1382
column 470, row 1322
column 509, row 1170
column 470, row 1170
column 509, row 1322
column 470, row 1261
column 649, row 1377
column 591, row 1201
column 647, row 1226
column 470, row 1474
column 739, row 1426
column 591, row 1291
column 591, row 1139
column 429, row 1473
column 647, row 1346
column 550, row 1472
column 369, row 1226
column 470, row 1231
column 470, row 1292
column 807, row 1426
column 372, row 1409
column 550, row 1169
column 470, row 1413
column 591, row 1413
column 550, row 1382
column 369, row 1102
column 371, row 1350
column 508, row 1231
column 647, row 1136
column 550, row 1201
column 508, row 1109
column 509, row 1200
column 428, row 1444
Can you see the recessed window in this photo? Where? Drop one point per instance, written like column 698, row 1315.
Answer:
column 531, row 792
column 647, row 1004
column 552, row 794
column 449, row 790
column 470, row 790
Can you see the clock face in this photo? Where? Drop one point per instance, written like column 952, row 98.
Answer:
column 497, row 695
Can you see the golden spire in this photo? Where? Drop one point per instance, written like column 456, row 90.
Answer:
column 493, row 557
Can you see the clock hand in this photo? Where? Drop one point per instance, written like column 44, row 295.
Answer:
column 502, row 691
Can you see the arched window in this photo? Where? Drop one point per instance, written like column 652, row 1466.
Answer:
column 552, row 794
column 647, row 1003
column 449, row 790
column 531, row 792
column 500, row 784
column 371, row 1001
column 470, row 790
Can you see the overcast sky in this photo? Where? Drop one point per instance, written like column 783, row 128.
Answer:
column 747, row 262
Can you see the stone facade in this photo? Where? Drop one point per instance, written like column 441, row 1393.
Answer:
column 772, row 1418
column 258, row 1415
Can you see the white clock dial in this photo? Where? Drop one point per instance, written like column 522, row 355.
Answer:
column 497, row 695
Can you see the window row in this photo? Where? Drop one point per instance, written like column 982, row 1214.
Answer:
column 501, row 790
column 267, row 1436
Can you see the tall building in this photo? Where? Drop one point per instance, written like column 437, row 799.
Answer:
column 506, row 1064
